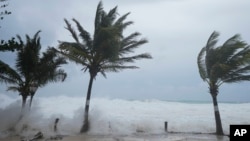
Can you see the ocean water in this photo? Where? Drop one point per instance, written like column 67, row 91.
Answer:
column 117, row 116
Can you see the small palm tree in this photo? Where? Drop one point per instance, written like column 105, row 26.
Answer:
column 47, row 70
column 32, row 69
column 105, row 52
column 228, row 63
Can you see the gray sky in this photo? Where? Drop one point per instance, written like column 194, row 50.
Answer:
column 176, row 30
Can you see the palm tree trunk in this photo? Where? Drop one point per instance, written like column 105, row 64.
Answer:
column 31, row 98
column 219, row 130
column 85, row 126
column 24, row 98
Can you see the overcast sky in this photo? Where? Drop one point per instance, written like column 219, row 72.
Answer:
column 176, row 30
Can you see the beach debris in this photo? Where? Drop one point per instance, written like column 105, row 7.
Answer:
column 166, row 126
column 57, row 137
column 38, row 135
column 140, row 130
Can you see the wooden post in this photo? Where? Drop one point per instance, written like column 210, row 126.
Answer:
column 166, row 126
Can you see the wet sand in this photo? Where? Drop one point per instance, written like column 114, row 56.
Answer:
column 134, row 137
column 169, row 137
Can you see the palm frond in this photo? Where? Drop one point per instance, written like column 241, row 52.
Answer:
column 129, row 45
column 112, row 15
column 117, row 68
column 8, row 75
column 75, row 52
column 84, row 34
column 211, row 59
column 129, row 39
column 238, row 79
column 201, row 64
column 53, row 76
column 103, row 73
column 71, row 30
column 131, row 59
column 36, row 38
column 241, row 57
column 13, row 88
column 121, row 19
column 124, row 25
column 212, row 40
column 20, row 40
column 98, row 15
column 120, row 24
column 242, row 70
column 230, row 48
column 231, row 41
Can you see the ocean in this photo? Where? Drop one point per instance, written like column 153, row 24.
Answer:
column 118, row 116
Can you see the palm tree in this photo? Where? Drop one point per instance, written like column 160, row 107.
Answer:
column 47, row 71
column 32, row 69
column 228, row 63
column 105, row 52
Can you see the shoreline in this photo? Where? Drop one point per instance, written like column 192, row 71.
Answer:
column 170, row 136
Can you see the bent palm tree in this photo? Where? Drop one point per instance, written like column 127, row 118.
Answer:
column 31, row 69
column 105, row 52
column 228, row 63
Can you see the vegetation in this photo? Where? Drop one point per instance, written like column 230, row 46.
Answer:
column 108, row 50
column 105, row 52
column 5, row 12
column 228, row 63
column 32, row 71
column 10, row 45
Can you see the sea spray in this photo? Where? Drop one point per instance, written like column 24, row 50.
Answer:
column 117, row 116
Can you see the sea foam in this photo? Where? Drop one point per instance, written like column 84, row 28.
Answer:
column 116, row 116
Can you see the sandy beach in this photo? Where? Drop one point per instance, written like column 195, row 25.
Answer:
column 134, row 137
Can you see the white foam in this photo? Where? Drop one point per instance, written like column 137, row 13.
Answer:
column 116, row 116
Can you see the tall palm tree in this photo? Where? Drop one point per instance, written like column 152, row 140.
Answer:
column 228, row 63
column 32, row 69
column 105, row 52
